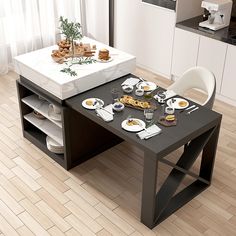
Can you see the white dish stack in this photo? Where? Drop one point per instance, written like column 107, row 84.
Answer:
column 53, row 146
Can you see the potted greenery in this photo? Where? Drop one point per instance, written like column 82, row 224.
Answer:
column 71, row 31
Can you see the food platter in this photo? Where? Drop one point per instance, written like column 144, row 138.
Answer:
column 92, row 103
column 132, row 102
column 146, row 86
column 133, row 125
column 177, row 103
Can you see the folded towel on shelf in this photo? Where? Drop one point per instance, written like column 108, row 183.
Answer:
column 149, row 132
column 106, row 113
column 131, row 81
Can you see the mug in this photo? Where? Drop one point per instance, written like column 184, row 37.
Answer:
column 55, row 109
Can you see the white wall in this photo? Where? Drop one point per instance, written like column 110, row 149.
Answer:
column 147, row 32
column 186, row 9
column 97, row 20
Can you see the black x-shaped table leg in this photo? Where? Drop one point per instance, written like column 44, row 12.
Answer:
column 157, row 206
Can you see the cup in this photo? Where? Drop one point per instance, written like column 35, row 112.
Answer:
column 139, row 92
column 148, row 113
column 169, row 110
column 115, row 94
column 55, row 109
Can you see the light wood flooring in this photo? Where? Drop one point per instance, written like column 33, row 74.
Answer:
column 102, row 196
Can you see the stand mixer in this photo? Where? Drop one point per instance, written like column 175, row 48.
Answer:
column 219, row 14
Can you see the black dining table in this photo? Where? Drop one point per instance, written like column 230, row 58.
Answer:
column 197, row 133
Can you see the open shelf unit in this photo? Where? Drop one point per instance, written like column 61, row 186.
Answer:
column 41, row 106
column 47, row 127
column 36, row 130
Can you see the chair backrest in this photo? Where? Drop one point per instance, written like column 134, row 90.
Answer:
column 200, row 78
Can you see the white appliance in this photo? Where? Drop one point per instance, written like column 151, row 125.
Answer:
column 219, row 14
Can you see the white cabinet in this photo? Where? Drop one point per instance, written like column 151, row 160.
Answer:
column 229, row 77
column 185, row 51
column 146, row 31
column 212, row 56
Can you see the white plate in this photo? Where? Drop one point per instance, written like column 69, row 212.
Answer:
column 96, row 103
column 104, row 61
column 175, row 104
column 53, row 146
column 133, row 128
column 151, row 86
column 53, row 115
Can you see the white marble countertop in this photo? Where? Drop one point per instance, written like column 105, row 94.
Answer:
column 39, row 68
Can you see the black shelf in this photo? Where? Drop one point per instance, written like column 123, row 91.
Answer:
column 38, row 138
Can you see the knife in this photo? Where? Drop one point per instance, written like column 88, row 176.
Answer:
column 196, row 108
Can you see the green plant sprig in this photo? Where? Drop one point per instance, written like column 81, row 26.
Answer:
column 69, row 71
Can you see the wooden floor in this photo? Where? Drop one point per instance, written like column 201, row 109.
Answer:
column 102, row 196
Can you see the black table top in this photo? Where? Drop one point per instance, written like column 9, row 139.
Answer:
column 169, row 4
column 188, row 126
column 227, row 34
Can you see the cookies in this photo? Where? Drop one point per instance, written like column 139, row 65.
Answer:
column 103, row 54
column 130, row 101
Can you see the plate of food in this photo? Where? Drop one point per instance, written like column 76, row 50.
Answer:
column 104, row 60
column 92, row 103
column 146, row 86
column 103, row 56
column 132, row 102
column 133, row 125
column 177, row 103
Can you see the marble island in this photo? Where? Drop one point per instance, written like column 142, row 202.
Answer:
column 39, row 68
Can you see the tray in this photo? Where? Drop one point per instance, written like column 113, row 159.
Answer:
column 127, row 104
column 165, row 123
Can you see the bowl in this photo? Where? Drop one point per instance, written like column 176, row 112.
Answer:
column 127, row 88
column 118, row 106
column 139, row 92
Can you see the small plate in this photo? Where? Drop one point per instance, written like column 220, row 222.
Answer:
column 52, row 115
column 146, row 86
column 177, row 103
column 134, row 128
column 104, row 61
column 95, row 103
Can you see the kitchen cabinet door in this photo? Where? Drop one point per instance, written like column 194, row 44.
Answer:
column 147, row 32
column 212, row 56
column 185, row 51
column 229, row 77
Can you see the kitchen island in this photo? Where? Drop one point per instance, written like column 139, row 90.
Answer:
column 84, row 135
column 42, row 83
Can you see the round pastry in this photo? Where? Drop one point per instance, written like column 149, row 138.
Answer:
column 89, row 102
column 170, row 118
column 103, row 54
column 183, row 103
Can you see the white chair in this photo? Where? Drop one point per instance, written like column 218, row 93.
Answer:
column 199, row 78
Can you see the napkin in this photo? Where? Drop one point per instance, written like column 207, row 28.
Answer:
column 169, row 94
column 131, row 81
column 149, row 132
column 106, row 113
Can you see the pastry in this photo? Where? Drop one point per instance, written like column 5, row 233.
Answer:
column 146, row 88
column 89, row 102
column 183, row 103
column 103, row 54
column 131, row 122
column 170, row 118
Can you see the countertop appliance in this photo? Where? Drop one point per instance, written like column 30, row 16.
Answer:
column 219, row 14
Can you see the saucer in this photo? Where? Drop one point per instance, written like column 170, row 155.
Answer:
column 52, row 115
